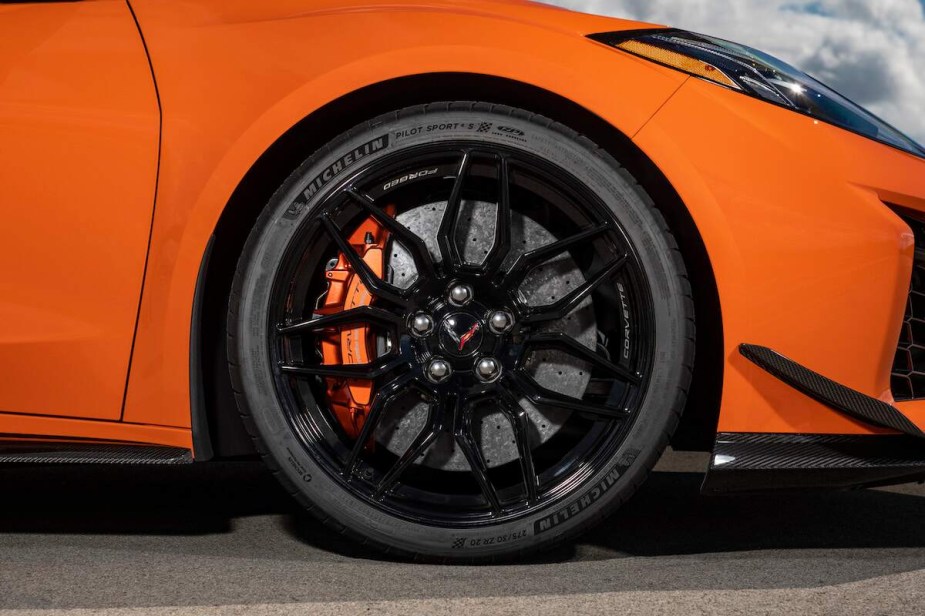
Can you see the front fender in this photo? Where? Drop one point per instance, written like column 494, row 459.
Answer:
column 233, row 78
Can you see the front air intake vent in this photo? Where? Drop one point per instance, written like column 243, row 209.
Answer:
column 908, row 376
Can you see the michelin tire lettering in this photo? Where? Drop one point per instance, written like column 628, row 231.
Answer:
column 563, row 514
column 335, row 169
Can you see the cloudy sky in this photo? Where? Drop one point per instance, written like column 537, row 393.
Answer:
column 873, row 51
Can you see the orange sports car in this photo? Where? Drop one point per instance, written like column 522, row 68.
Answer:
column 440, row 262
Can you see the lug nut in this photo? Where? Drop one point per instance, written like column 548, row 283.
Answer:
column 487, row 369
column 500, row 322
column 438, row 370
column 460, row 294
column 422, row 325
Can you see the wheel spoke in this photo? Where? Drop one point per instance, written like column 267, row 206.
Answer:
column 355, row 316
column 537, row 256
column 446, row 237
column 384, row 396
column 411, row 241
column 564, row 342
column 501, row 244
column 564, row 306
column 520, row 424
column 425, row 438
column 467, row 444
column 540, row 396
column 376, row 285
column 370, row 371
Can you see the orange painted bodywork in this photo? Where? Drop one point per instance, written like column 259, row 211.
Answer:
column 236, row 75
column 807, row 258
column 78, row 166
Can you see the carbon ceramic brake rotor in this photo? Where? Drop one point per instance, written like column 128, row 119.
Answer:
column 555, row 370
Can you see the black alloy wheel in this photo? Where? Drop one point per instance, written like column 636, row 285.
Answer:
column 515, row 343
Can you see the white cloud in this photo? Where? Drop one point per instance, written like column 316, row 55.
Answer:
column 873, row 51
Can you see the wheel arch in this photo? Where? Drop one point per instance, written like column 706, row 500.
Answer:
column 217, row 428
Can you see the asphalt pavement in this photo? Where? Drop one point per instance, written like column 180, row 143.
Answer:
column 221, row 538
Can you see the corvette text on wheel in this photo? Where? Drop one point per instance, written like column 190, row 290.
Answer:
column 458, row 272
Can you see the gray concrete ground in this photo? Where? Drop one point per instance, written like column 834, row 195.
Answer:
column 223, row 539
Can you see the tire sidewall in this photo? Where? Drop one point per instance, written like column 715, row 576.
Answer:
column 287, row 211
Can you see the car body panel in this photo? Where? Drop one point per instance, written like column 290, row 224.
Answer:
column 36, row 426
column 224, row 105
column 807, row 258
column 78, row 152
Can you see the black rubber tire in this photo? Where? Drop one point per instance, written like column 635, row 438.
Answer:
column 602, row 493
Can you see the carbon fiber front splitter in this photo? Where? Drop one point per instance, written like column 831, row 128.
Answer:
column 762, row 462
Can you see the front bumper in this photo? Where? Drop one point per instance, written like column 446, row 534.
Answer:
column 808, row 258
column 758, row 462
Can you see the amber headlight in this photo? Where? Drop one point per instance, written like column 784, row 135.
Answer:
column 756, row 74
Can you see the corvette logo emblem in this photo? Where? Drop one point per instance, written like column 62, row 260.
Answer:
column 460, row 332
column 465, row 338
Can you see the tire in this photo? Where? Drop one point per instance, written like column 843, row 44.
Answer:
column 608, row 435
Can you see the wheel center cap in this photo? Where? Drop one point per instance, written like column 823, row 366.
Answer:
column 461, row 334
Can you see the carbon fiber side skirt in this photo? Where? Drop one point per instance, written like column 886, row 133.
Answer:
column 76, row 452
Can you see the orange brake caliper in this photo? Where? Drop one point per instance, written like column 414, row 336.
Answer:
column 350, row 398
